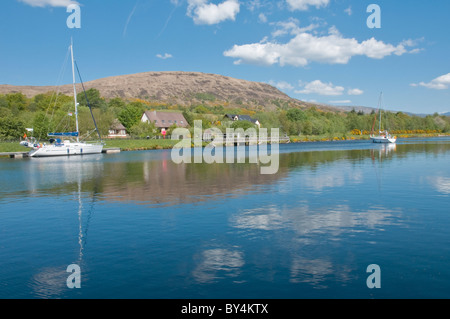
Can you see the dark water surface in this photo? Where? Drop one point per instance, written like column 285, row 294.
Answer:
column 140, row 226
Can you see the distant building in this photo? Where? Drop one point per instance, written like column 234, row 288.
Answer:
column 117, row 130
column 164, row 120
column 234, row 117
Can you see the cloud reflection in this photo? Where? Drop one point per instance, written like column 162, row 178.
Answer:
column 218, row 263
column 305, row 219
column 313, row 228
column 442, row 184
column 49, row 283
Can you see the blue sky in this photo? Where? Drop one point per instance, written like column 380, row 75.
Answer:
column 313, row 50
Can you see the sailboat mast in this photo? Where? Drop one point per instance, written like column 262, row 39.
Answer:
column 74, row 90
column 381, row 94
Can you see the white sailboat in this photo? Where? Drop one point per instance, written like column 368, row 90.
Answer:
column 383, row 135
column 63, row 144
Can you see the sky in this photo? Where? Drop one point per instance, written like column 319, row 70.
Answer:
column 337, row 52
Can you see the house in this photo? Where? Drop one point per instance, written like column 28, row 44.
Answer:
column 164, row 120
column 234, row 117
column 117, row 130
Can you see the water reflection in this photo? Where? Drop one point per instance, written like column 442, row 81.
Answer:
column 49, row 283
column 441, row 184
column 306, row 220
column 152, row 178
column 308, row 225
column 217, row 264
column 311, row 271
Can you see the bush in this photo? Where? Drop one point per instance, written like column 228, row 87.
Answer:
column 11, row 128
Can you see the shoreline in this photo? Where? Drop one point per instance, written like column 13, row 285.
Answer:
column 127, row 145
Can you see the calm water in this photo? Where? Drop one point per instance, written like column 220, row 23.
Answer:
column 140, row 226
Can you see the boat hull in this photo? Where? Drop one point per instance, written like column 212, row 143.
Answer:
column 383, row 140
column 66, row 150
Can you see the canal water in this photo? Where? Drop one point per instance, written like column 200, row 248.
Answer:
column 138, row 225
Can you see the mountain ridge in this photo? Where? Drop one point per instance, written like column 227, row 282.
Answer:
column 182, row 88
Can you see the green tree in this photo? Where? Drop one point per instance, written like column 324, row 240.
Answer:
column 189, row 117
column 242, row 124
column 94, row 98
column 296, row 115
column 201, row 109
column 16, row 102
column 130, row 115
column 41, row 125
column 11, row 128
column 142, row 130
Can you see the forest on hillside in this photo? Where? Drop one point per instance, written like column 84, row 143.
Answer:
column 52, row 112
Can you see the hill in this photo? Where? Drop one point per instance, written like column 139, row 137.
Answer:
column 182, row 88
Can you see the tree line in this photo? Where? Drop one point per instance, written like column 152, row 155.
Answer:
column 52, row 112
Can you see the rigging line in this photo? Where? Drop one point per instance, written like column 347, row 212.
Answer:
column 58, row 85
column 87, row 100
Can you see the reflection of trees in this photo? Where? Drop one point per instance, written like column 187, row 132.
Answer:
column 156, row 179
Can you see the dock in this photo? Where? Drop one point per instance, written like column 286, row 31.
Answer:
column 19, row 155
column 15, row 154
column 111, row 150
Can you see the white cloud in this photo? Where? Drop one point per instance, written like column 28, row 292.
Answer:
column 355, row 92
column 349, row 11
column 209, row 13
column 305, row 48
column 291, row 27
column 282, row 85
column 303, row 5
column 341, row 102
column 50, row 3
column 262, row 18
column 439, row 83
column 318, row 87
column 165, row 56
column 328, row 89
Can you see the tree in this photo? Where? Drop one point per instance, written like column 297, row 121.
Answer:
column 117, row 103
column 242, row 124
column 142, row 130
column 296, row 115
column 11, row 128
column 41, row 125
column 94, row 98
column 130, row 115
column 189, row 118
column 16, row 102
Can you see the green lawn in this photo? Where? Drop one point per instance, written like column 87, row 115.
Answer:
column 12, row 147
column 129, row 145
